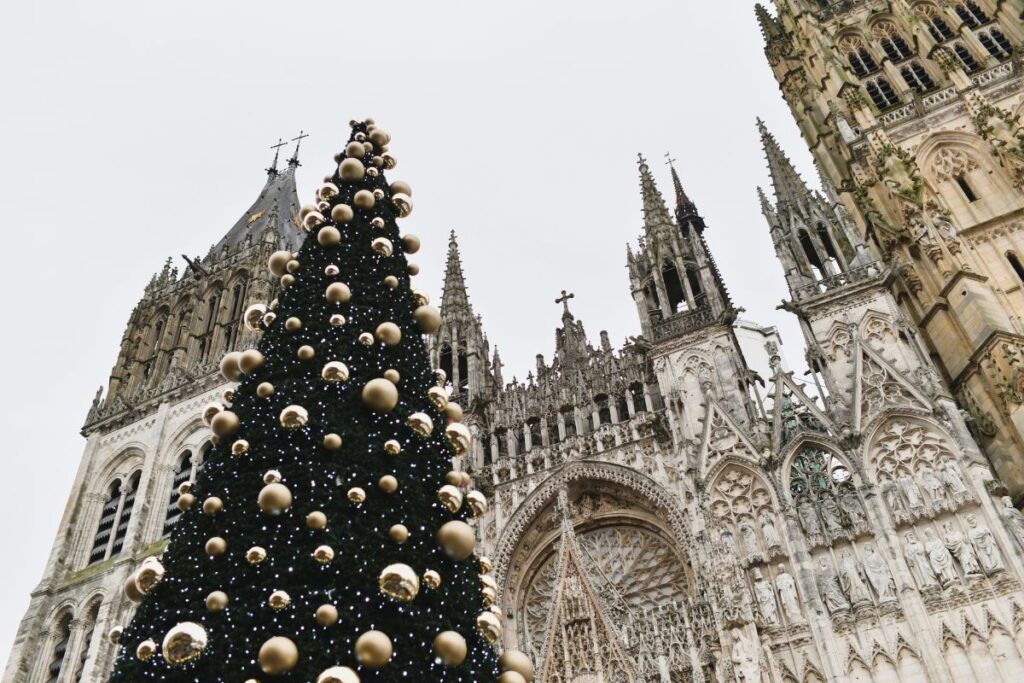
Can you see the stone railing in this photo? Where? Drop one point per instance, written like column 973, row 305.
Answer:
column 897, row 115
column 838, row 280
column 996, row 73
column 684, row 322
column 938, row 98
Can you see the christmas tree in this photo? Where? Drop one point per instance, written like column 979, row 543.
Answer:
column 326, row 539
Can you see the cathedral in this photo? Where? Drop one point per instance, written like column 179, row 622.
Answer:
column 675, row 509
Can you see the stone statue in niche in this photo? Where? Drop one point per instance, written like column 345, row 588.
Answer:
column 728, row 541
column 911, row 492
column 769, row 532
column 917, row 560
column 954, row 481
column 879, row 575
column 1013, row 519
column 746, row 658
column 833, row 517
column 939, row 558
column 985, row 544
column 765, row 595
column 853, row 509
column 809, row 518
column 829, row 588
column 853, row 584
column 750, row 546
column 788, row 596
column 891, row 493
column 962, row 550
column 935, row 488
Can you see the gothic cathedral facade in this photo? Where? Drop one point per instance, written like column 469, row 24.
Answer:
column 669, row 511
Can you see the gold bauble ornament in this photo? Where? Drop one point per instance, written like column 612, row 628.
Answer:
column 366, row 339
column 212, row 505
column 450, row 648
column 265, row 390
column 216, row 546
column 224, row 423
column 403, row 204
column 288, row 280
column 312, row 221
column 323, row 554
column 392, row 447
column 278, row 262
column 377, row 223
column 293, row 266
column 229, row 366
column 388, row 484
column 275, row 498
column 400, row 187
column 306, row 352
column 279, row 600
column 255, row 555
column 183, row 643
column 431, row 579
column 131, row 589
column 334, row 372
column 332, row 441
column 327, row 191
column 389, row 333
column 489, row 626
column 373, row 649
column 278, row 655
column 269, row 318
column 114, row 634
column 363, row 199
column 459, row 437
column 382, row 246
column 457, row 539
column 420, row 298
column 331, row 270
column 489, row 596
column 391, row 281
column 399, row 581
column 240, row 447
column 412, row 269
column 438, row 397
column 511, row 677
column 336, row 320
column 326, row 615
column 355, row 149
column 217, row 601
column 453, row 411
column 293, row 324
column 228, row 395
column 441, row 377
column 518, row 662
column 272, row 476
column 454, row 478
column 392, row 376
column 450, row 497
column 466, row 479
column 428, row 318
column 488, row 582
column 186, row 501
column 254, row 317
column 145, row 651
column 338, row 674
column 411, row 243
column 294, row 417
column 338, row 293
column 485, row 564
column 399, row 533
column 323, row 206
column 351, row 170
column 388, row 161
column 421, row 424
column 380, row 137
column 251, row 360
column 380, row 395
column 477, row 502
column 184, row 487
column 342, row 213
column 316, row 520
column 356, row 495
column 328, row 236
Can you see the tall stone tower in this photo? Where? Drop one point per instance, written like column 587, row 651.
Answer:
column 912, row 112
column 144, row 438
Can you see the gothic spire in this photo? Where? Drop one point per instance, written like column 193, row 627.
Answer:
column 790, row 188
column 275, row 211
column 454, row 295
column 685, row 208
column 656, row 216
column 770, row 27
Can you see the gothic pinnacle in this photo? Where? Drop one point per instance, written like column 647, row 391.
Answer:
column 770, row 27
column 789, row 186
column 656, row 215
column 454, row 292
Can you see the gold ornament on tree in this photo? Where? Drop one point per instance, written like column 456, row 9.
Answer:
column 450, row 648
column 145, row 651
column 457, row 539
column 184, row 642
column 278, row 655
column 399, row 581
column 275, row 498
column 380, row 395
column 255, row 555
column 489, row 626
column 338, row 674
column 518, row 662
column 279, row 600
column 373, row 649
column 294, row 417
column 217, row 601
column 326, row 615
column 421, row 424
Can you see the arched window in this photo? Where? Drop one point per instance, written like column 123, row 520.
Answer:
column 857, row 55
column 127, row 506
column 1016, row 265
column 235, row 321
column 693, row 277
column 892, row 41
column 486, row 443
column 817, row 266
column 209, row 325
column 996, row 43
column 60, row 649
column 673, row 288
column 824, row 495
column 604, row 412
column 569, row 419
column 463, row 372
column 917, row 78
column 501, row 436
column 520, row 440
column 881, row 93
column 970, row 13
column 94, row 614
column 101, row 541
column 965, row 187
column 967, row 59
column 553, row 435
column 536, row 438
column 636, row 391
column 446, row 362
column 653, row 300
column 622, row 408
column 182, row 474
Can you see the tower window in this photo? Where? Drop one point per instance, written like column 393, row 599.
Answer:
column 501, row 436
column 94, row 614
column 968, row 61
column 536, row 438
column 694, row 279
column 553, row 436
column 811, row 253
column 182, row 474
column 917, row 78
column 127, row 506
column 60, row 649
column 881, row 93
column 463, row 372
column 604, row 412
column 673, row 288
column 996, row 43
column 826, row 241
column 1016, row 265
column 107, row 517
column 446, row 362
column 896, row 48
column 569, row 419
column 520, row 440
column 622, row 408
column 636, row 392
column 970, row 13
column 862, row 62
column 965, row 187
column 235, row 324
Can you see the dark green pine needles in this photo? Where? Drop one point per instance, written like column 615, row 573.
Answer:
column 273, row 567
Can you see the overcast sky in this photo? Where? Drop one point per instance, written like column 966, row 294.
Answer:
column 134, row 131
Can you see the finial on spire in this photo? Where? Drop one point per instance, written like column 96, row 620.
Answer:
column 277, row 151
column 684, row 206
column 294, row 161
column 564, row 300
column 454, row 293
column 789, row 186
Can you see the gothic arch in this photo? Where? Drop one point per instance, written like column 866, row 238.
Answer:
column 790, row 453
column 743, row 508
column 121, row 465
column 665, row 504
column 880, row 427
column 947, row 155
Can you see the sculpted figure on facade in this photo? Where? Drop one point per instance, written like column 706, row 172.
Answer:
column 940, row 559
column 765, row 595
column 985, row 544
column 879, row 575
column 830, row 589
column 788, row 596
column 962, row 550
column 918, row 560
column 1014, row 520
column 853, row 584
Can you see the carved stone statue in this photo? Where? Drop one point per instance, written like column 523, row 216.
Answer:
column 852, row 507
column 769, row 532
column 746, row 658
column 917, row 559
column 954, row 481
column 809, row 518
column 935, row 488
column 788, row 596
column 830, row 590
column 833, row 517
column 854, row 586
column 985, row 544
column 911, row 492
column 939, row 558
column 1013, row 519
column 750, row 545
column 879, row 575
column 728, row 541
column 765, row 595
column 891, row 493
column 962, row 550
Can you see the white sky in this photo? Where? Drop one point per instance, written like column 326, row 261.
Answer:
column 133, row 131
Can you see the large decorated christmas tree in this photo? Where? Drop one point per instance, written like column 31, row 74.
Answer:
column 327, row 539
